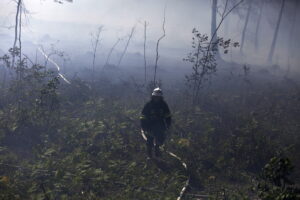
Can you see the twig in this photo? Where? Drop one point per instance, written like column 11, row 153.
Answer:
column 28, row 59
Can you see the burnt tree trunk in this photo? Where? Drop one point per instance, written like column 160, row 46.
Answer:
column 291, row 48
column 245, row 25
column 258, row 24
column 274, row 41
column 214, row 26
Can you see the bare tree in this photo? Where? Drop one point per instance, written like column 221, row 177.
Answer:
column 16, row 51
column 274, row 41
column 110, row 53
column 20, row 29
column 145, row 61
column 262, row 4
column 226, row 29
column 245, row 25
column 293, row 28
column 18, row 26
column 157, row 46
column 214, row 10
column 126, row 46
column 17, row 22
column 95, row 39
column 291, row 42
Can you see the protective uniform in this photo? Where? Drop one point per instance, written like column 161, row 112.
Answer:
column 155, row 120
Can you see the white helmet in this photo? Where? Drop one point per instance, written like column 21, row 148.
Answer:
column 157, row 92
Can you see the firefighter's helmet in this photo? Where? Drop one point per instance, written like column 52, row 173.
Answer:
column 157, row 92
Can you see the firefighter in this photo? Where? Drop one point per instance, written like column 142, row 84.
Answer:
column 155, row 120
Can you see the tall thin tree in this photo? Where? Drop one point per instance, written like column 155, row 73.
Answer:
column 262, row 4
column 291, row 44
column 95, row 42
column 246, row 25
column 213, row 32
column 274, row 41
column 18, row 26
column 157, row 46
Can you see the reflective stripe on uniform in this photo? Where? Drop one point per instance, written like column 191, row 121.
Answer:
column 143, row 117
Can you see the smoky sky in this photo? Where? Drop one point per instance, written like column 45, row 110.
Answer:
column 69, row 25
column 75, row 21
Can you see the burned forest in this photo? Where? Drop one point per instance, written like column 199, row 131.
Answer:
column 160, row 99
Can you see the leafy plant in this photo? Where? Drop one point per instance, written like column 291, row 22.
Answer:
column 275, row 182
column 203, row 59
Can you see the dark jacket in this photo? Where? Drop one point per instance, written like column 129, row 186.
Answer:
column 155, row 116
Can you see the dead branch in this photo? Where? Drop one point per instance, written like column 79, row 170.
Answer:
column 110, row 52
column 126, row 46
column 157, row 45
column 28, row 59
column 95, row 42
